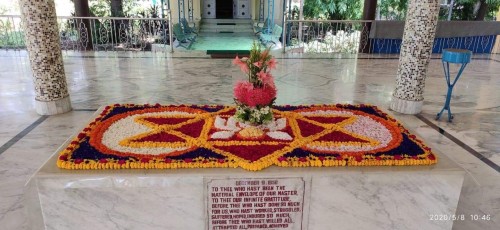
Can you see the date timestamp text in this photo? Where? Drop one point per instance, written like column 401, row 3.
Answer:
column 446, row 217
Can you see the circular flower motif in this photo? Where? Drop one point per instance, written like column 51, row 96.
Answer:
column 347, row 132
column 149, row 132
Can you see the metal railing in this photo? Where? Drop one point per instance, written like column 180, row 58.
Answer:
column 11, row 32
column 325, row 36
column 153, row 34
column 351, row 37
column 96, row 33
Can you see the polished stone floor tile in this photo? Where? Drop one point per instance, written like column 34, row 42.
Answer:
column 21, row 160
column 97, row 79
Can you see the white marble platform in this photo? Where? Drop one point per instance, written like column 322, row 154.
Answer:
column 399, row 197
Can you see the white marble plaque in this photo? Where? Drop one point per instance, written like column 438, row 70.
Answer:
column 255, row 203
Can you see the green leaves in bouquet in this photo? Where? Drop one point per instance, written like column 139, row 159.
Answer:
column 261, row 114
column 257, row 56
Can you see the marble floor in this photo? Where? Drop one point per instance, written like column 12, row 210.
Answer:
column 223, row 41
column 95, row 79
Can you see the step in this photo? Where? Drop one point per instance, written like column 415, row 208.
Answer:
column 235, row 21
column 237, row 26
column 226, row 25
column 226, row 28
column 219, row 30
column 228, row 54
column 233, row 35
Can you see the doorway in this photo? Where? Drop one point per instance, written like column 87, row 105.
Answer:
column 224, row 9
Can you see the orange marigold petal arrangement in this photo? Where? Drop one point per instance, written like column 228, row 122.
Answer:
column 191, row 136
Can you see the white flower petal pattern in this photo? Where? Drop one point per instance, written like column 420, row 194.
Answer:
column 222, row 135
column 279, row 124
column 279, row 135
column 231, row 126
column 220, row 123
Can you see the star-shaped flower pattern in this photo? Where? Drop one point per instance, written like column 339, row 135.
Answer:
column 193, row 136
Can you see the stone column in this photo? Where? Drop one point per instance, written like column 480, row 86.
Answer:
column 42, row 42
column 416, row 49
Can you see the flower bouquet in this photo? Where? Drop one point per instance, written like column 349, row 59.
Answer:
column 255, row 96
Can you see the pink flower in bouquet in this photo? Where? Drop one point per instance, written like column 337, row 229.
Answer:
column 247, row 94
column 258, row 64
column 266, row 78
column 241, row 63
column 272, row 63
column 241, row 90
column 262, row 96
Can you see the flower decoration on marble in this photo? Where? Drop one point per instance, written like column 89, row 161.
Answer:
column 191, row 136
column 255, row 96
